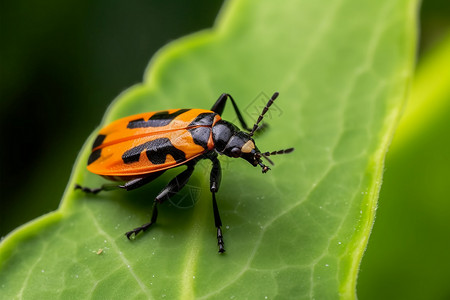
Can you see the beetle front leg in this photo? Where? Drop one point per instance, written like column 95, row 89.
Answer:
column 215, row 178
column 174, row 186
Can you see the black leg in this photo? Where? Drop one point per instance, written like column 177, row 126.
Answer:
column 138, row 182
column 218, row 223
column 104, row 187
column 146, row 225
column 174, row 186
column 130, row 185
column 219, row 106
column 215, row 177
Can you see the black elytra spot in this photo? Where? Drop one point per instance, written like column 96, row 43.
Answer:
column 156, row 150
column 201, row 134
column 98, row 140
column 97, row 153
column 94, row 156
column 203, row 119
column 159, row 119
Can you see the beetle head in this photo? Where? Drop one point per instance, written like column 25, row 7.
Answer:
column 241, row 144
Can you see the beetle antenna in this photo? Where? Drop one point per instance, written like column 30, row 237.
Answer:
column 268, row 159
column 284, row 151
column 265, row 109
column 266, row 154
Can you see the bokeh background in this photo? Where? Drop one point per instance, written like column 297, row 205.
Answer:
column 63, row 62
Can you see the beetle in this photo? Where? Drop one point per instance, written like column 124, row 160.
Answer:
column 138, row 149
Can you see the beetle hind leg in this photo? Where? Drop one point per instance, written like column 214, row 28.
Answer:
column 104, row 187
column 174, row 186
column 218, row 224
column 146, row 226
column 140, row 181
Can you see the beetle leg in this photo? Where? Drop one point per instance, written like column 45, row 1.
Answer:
column 219, row 106
column 146, row 225
column 130, row 185
column 138, row 182
column 174, row 186
column 104, row 187
column 215, row 177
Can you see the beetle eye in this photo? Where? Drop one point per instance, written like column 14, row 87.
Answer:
column 236, row 152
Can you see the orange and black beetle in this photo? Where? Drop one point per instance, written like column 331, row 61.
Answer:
column 138, row 149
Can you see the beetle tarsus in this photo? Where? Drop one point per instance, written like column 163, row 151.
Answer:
column 220, row 242
column 130, row 233
column 104, row 187
column 88, row 190
column 135, row 231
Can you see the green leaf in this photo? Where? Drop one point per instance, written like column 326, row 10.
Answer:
column 410, row 238
column 299, row 231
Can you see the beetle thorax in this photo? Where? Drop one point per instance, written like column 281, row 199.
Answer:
column 231, row 141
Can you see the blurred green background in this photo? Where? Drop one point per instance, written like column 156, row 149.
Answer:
column 62, row 63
